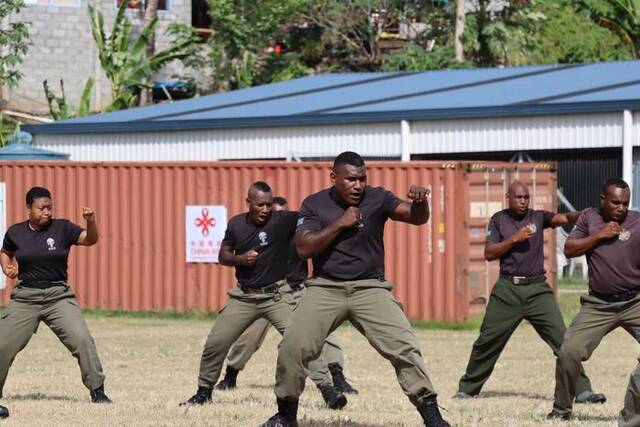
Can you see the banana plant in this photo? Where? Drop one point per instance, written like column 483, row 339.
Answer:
column 622, row 17
column 123, row 59
column 59, row 107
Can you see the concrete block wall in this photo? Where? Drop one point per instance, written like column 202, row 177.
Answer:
column 63, row 48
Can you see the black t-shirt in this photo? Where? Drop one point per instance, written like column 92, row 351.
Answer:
column 272, row 241
column 297, row 269
column 525, row 258
column 357, row 253
column 42, row 254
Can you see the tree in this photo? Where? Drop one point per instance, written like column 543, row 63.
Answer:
column 622, row 17
column 243, row 31
column 123, row 59
column 351, row 31
column 14, row 43
column 460, row 18
column 150, row 13
column 559, row 44
column 505, row 37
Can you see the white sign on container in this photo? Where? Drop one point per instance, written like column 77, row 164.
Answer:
column 205, row 227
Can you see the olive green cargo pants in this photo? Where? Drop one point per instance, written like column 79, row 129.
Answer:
column 596, row 319
column 370, row 307
column 508, row 306
column 253, row 337
column 237, row 315
column 58, row 309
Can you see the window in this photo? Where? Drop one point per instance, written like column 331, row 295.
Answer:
column 200, row 14
column 138, row 4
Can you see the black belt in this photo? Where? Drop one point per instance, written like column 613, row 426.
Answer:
column 269, row 289
column 524, row 280
column 41, row 284
column 622, row 296
column 296, row 287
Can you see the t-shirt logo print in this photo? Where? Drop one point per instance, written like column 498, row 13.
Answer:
column 624, row 235
column 51, row 243
column 263, row 238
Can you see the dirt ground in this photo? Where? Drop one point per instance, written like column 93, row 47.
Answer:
column 151, row 366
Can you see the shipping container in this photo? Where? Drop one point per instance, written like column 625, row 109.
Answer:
column 140, row 261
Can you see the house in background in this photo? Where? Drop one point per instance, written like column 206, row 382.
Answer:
column 62, row 47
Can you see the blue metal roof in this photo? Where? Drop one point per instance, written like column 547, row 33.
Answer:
column 27, row 152
column 383, row 97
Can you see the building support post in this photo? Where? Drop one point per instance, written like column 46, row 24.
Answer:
column 405, row 141
column 627, row 149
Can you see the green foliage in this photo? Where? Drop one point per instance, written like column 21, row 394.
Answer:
column 504, row 38
column 559, row 43
column 622, row 17
column 7, row 127
column 242, row 32
column 123, row 59
column 59, row 107
column 416, row 58
column 14, row 43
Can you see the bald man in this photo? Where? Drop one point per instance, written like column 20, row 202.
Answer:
column 515, row 236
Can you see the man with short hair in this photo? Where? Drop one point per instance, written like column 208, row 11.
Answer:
column 341, row 228
column 257, row 243
column 253, row 337
column 609, row 236
column 515, row 236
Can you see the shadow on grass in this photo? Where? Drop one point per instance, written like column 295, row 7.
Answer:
column 43, row 396
column 524, row 394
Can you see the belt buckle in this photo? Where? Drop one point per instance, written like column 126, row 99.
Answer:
column 518, row 279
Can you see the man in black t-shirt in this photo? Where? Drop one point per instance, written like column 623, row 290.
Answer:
column 41, row 246
column 341, row 229
column 515, row 236
column 253, row 337
column 257, row 243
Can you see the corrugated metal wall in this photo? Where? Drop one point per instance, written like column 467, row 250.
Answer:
column 580, row 174
column 517, row 133
column 375, row 139
column 139, row 263
column 564, row 131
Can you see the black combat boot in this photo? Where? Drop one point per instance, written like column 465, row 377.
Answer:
column 431, row 414
column 555, row 415
column 98, row 395
column 4, row 412
column 202, row 396
column 287, row 415
column 229, row 380
column 339, row 381
column 333, row 398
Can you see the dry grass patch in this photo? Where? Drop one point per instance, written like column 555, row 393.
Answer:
column 151, row 366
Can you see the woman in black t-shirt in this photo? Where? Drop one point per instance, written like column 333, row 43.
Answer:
column 41, row 247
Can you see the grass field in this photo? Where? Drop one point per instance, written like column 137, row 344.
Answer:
column 151, row 365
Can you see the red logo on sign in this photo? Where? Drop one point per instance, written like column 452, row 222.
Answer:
column 205, row 222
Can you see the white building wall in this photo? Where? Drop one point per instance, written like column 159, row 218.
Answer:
column 378, row 139
column 381, row 139
column 518, row 133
